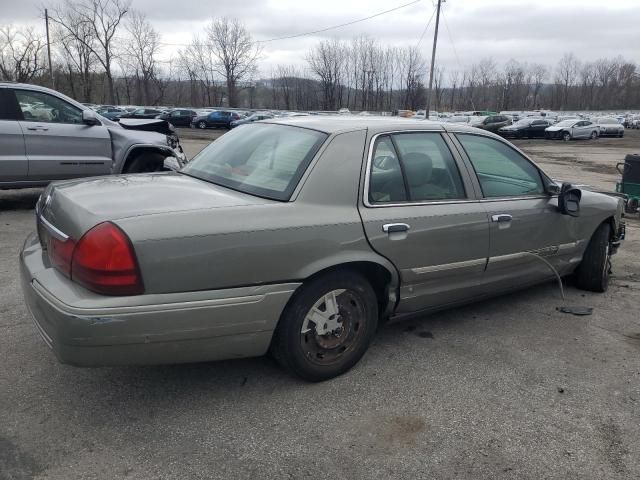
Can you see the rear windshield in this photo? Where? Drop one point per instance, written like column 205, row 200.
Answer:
column 266, row 160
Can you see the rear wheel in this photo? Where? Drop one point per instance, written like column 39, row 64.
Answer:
column 594, row 135
column 327, row 326
column 593, row 272
column 202, row 125
column 566, row 136
column 146, row 162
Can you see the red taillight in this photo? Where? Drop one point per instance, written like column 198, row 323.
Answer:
column 104, row 261
column 60, row 253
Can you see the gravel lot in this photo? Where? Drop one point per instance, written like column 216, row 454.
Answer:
column 508, row 388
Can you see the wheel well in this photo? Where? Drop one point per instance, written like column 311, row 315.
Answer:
column 135, row 153
column 376, row 274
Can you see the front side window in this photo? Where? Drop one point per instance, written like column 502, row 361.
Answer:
column 501, row 170
column 260, row 159
column 42, row 107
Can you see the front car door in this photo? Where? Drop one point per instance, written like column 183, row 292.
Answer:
column 421, row 211
column 13, row 158
column 58, row 145
column 525, row 223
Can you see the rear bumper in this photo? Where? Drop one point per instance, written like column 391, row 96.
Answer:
column 86, row 329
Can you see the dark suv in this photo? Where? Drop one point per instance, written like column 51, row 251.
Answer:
column 179, row 117
column 217, row 119
column 492, row 123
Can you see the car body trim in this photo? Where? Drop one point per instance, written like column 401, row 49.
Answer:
column 449, row 266
column 156, row 307
column 59, row 234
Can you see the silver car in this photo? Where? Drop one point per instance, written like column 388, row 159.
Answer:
column 300, row 236
column 609, row 126
column 48, row 136
column 572, row 129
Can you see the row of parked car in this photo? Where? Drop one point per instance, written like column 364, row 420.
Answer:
column 184, row 117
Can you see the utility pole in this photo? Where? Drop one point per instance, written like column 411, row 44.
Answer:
column 46, row 22
column 433, row 61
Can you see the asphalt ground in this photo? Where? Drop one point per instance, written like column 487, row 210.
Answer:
column 508, row 388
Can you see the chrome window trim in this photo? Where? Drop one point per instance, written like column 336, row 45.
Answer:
column 365, row 197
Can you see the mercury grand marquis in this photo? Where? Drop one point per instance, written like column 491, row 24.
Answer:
column 299, row 236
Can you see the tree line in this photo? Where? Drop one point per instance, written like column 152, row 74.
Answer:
column 108, row 53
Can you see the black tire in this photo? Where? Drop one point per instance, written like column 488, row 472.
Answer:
column 566, row 136
column 593, row 272
column 202, row 125
column 594, row 135
column 632, row 206
column 303, row 354
column 146, row 162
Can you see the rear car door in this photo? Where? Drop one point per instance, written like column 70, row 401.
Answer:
column 421, row 212
column 13, row 158
column 525, row 223
column 58, row 145
column 537, row 127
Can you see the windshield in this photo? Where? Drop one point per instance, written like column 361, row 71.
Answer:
column 565, row 123
column 266, row 160
column 525, row 122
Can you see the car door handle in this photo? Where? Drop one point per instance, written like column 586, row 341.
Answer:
column 501, row 218
column 395, row 227
column 38, row 127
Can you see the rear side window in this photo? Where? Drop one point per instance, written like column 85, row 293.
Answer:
column 415, row 167
column 501, row 170
column 9, row 109
column 386, row 181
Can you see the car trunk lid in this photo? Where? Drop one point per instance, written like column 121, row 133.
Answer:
column 73, row 207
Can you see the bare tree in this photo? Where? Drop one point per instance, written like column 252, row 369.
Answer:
column 142, row 48
column 103, row 17
column 538, row 75
column 236, row 52
column 75, row 46
column 21, row 53
column 566, row 74
column 326, row 61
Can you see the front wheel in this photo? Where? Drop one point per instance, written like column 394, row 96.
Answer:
column 566, row 136
column 327, row 326
column 593, row 272
column 594, row 135
column 202, row 125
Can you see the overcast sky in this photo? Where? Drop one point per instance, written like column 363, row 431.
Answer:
column 526, row 30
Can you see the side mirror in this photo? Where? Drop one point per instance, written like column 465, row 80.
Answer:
column 89, row 117
column 569, row 200
column 553, row 189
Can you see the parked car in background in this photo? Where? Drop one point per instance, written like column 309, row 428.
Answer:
column 609, row 127
column 572, row 129
column 492, row 123
column 529, row 127
column 111, row 112
column 271, row 241
column 252, row 118
column 178, row 117
column 215, row 119
column 143, row 113
column 46, row 136
column 344, row 111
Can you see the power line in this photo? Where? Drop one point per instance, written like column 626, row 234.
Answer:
column 455, row 51
column 425, row 28
column 333, row 27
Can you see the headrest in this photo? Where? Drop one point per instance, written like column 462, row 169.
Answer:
column 418, row 167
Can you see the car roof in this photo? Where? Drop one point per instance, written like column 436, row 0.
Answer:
column 335, row 124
